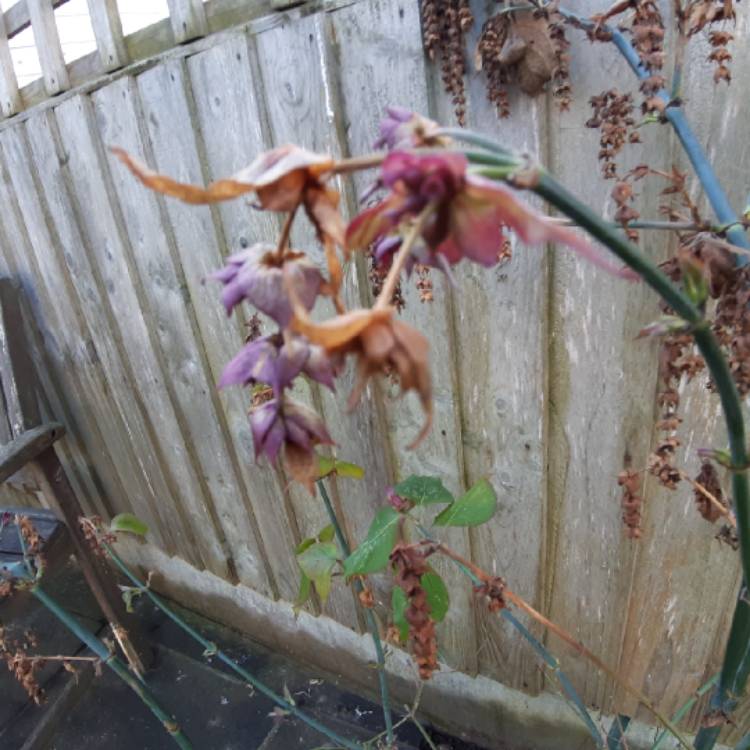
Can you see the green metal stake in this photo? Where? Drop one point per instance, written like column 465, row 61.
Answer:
column 116, row 665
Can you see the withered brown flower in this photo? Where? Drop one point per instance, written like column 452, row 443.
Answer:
column 283, row 179
column 379, row 342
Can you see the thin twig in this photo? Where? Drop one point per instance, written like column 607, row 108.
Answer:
column 285, row 231
column 358, row 163
column 391, row 280
column 561, row 633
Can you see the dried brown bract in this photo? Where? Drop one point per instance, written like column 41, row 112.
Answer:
column 14, row 652
column 377, row 274
column 660, row 462
column 444, row 23
column 732, row 326
column 632, row 502
column 708, row 478
column 727, row 534
column 410, row 564
column 529, row 49
column 424, row 283
column 493, row 589
column 720, row 55
column 613, row 117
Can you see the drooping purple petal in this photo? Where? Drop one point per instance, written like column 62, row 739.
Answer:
column 256, row 275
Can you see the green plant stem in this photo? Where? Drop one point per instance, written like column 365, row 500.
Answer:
column 736, row 666
column 210, row 649
column 117, row 666
column 570, row 693
column 372, row 624
column 683, row 710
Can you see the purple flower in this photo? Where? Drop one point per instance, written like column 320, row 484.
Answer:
column 273, row 361
column 470, row 214
column 257, row 275
column 283, row 421
column 402, row 128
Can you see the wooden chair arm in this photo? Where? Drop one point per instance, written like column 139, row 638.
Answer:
column 26, row 447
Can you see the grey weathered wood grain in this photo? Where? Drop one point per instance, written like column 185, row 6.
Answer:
column 119, row 112
column 231, row 118
column 188, row 19
column 29, row 236
column 126, row 302
column 48, row 47
column 395, row 74
column 601, row 413
column 10, row 99
column 296, row 102
column 107, row 26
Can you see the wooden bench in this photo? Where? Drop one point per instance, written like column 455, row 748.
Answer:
column 28, row 460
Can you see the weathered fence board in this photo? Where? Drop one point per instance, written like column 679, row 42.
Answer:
column 539, row 384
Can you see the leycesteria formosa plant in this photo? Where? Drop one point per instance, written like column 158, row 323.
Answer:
column 439, row 204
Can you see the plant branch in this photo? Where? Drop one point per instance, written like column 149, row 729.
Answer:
column 212, row 650
column 676, row 117
column 391, row 280
column 372, row 624
column 117, row 666
column 561, row 633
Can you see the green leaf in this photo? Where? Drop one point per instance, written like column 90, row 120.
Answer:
column 327, row 534
column 399, row 603
column 372, row 554
column 317, row 563
column 304, row 544
column 423, row 490
column 329, row 465
column 129, row 523
column 437, row 595
column 474, row 508
column 304, row 592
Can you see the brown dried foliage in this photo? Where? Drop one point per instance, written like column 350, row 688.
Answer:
column 14, row 652
column 377, row 274
column 493, row 590
column 424, row 283
column 444, row 23
column 708, row 478
column 529, row 49
column 613, row 117
column 410, row 564
column 632, row 502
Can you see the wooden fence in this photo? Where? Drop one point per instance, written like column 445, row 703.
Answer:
column 540, row 385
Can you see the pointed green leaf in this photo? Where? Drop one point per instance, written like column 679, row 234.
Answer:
column 372, row 554
column 399, row 603
column 304, row 544
column 328, row 465
column 317, row 563
column 325, row 465
column 474, row 508
column 423, row 490
column 304, row 592
column 437, row 595
column 349, row 470
column 129, row 523
column 327, row 534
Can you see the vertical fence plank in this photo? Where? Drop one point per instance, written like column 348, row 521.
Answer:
column 395, row 74
column 602, row 386
column 188, row 19
column 119, row 116
column 25, row 237
column 10, row 99
column 110, row 42
column 302, row 103
column 48, row 47
column 500, row 353
column 131, row 312
column 174, row 135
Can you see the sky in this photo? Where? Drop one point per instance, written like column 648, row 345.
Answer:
column 76, row 36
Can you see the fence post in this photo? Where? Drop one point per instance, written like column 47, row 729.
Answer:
column 10, row 99
column 188, row 19
column 110, row 42
column 48, row 47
